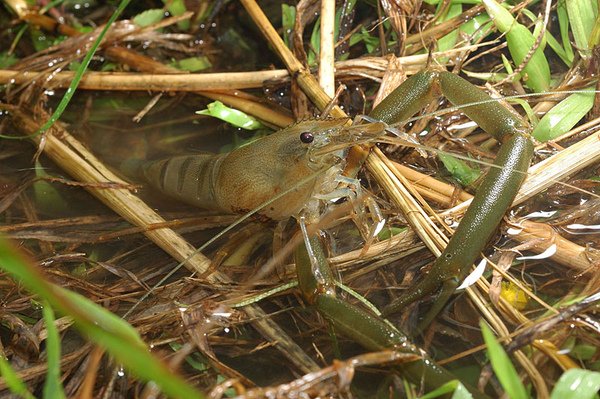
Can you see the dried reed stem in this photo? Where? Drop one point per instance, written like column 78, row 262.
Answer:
column 160, row 77
column 327, row 49
column 567, row 253
column 123, row 81
column 431, row 187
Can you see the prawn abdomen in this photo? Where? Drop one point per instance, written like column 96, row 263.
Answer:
column 189, row 178
column 247, row 181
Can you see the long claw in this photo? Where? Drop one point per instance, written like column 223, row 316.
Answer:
column 495, row 194
column 369, row 330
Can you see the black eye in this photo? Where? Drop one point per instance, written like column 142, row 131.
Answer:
column 306, row 137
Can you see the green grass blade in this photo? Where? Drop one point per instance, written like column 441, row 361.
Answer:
column 582, row 17
column 558, row 49
column 503, row 367
column 288, row 18
column 176, row 8
column 79, row 73
column 477, row 28
column 520, row 40
column 99, row 325
column 149, row 17
column 577, row 383
column 563, row 24
column 12, row 380
column 52, row 386
column 192, row 64
column 564, row 115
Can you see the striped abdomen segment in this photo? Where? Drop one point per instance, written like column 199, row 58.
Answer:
column 189, row 178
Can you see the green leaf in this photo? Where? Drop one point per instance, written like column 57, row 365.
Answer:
column 389, row 232
column 577, row 383
column 176, row 8
column 503, row 367
column 149, row 17
column 371, row 42
column 84, row 29
column 520, row 40
column 237, row 118
column 477, row 28
column 288, row 18
column 192, row 64
column 582, row 17
column 315, row 43
column 583, row 351
column 103, row 319
column 459, row 169
column 448, row 41
column 533, row 120
column 557, row 48
column 52, row 386
column 563, row 24
column 564, row 115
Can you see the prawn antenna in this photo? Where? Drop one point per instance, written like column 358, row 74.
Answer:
column 333, row 101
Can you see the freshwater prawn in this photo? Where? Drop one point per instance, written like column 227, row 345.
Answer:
column 301, row 165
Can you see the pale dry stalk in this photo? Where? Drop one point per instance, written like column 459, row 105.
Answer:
column 327, row 48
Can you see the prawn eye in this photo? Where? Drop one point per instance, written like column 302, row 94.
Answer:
column 307, row 137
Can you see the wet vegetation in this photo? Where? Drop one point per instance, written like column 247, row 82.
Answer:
column 110, row 288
